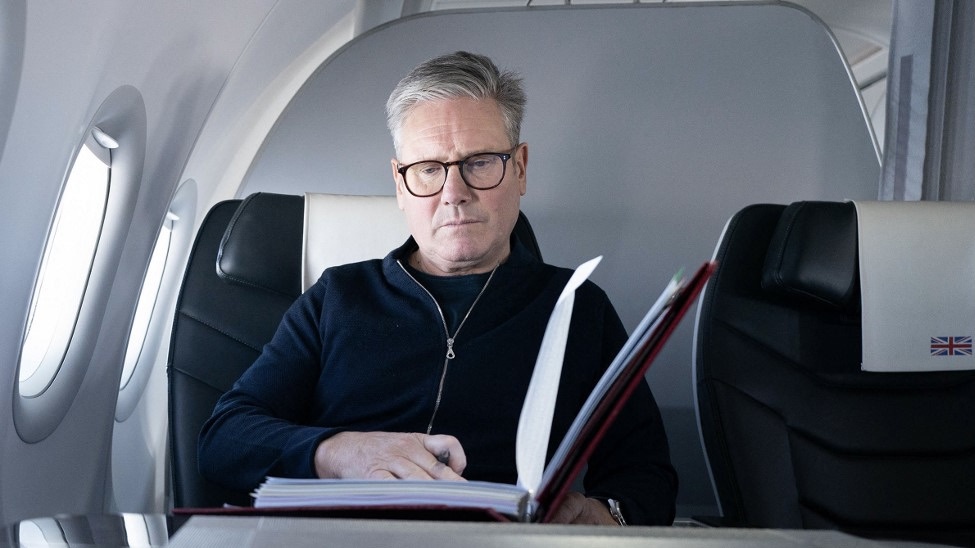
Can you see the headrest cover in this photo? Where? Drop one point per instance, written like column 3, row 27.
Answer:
column 262, row 244
column 917, row 265
column 813, row 254
column 342, row 229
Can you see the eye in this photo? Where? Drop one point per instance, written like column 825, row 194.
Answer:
column 427, row 169
column 483, row 161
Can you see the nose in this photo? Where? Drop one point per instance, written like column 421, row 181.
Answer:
column 455, row 190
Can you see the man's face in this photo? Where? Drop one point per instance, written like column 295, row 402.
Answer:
column 460, row 230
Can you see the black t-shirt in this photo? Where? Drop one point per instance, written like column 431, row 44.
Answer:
column 454, row 294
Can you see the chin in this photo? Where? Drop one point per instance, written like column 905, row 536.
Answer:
column 463, row 256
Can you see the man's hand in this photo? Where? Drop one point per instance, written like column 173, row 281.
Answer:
column 578, row 509
column 388, row 455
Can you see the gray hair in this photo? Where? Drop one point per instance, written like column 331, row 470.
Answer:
column 455, row 75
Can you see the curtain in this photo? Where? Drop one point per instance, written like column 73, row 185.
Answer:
column 930, row 133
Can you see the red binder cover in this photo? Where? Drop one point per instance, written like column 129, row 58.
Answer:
column 550, row 496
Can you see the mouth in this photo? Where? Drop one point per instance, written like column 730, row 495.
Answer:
column 456, row 223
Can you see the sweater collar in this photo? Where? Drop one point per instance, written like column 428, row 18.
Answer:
column 519, row 256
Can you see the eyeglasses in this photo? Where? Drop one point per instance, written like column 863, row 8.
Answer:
column 482, row 171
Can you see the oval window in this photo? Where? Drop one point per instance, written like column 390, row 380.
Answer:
column 147, row 300
column 65, row 268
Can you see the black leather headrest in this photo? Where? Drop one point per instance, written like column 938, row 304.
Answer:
column 813, row 254
column 262, row 244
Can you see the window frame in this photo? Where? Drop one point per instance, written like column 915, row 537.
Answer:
column 151, row 360
column 148, row 300
column 121, row 118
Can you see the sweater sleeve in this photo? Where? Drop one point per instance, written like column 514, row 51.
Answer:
column 256, row 427
column 632, row 462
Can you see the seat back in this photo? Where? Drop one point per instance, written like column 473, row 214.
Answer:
column 244, row 271
column 796, row 434
column 221, row 323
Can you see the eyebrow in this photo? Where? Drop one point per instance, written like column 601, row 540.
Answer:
column 468, row 155
column 465, row 156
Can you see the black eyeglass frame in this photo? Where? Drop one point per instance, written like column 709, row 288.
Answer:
column 505, row 156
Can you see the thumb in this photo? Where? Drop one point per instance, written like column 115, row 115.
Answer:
column 447, row 449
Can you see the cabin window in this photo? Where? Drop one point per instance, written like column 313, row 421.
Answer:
column 61, row 282
column 147, row 299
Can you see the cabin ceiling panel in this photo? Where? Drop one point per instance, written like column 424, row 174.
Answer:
column 292, row 42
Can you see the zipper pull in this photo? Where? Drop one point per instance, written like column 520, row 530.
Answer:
column 450, row 348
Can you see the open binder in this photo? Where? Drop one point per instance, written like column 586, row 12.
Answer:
column 538, row 490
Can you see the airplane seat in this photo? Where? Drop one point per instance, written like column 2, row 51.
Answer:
column 251, row 259
column 221, row 326
column 796, row 432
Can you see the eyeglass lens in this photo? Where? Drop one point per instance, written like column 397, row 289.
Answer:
column 481, row 171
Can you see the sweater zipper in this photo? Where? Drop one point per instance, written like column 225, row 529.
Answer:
column 450, row 339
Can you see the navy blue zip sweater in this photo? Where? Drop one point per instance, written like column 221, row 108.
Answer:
column 364, row 349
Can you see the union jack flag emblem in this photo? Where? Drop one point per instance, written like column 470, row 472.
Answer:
column 951, row 346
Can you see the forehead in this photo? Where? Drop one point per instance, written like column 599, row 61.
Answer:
column 453, row 126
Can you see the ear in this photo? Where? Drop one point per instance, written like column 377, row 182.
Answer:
column 520, row 161
column 398, row 181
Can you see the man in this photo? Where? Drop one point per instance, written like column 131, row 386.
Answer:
column 416, row 366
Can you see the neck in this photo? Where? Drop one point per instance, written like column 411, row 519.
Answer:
column 419, row 262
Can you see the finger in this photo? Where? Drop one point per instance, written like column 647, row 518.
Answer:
column 568, row 512
column 442, row 471
column 380, row 474
column 577, row 508
column 404, row 468
column 448, row 451
column 408, row 458
column 425, row 467
column 596, row 513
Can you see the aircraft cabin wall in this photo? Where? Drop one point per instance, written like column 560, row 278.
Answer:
column 648, row 127
column 148, row 74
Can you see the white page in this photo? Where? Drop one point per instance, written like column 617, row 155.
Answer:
column 636, row 340
column 535, row 423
